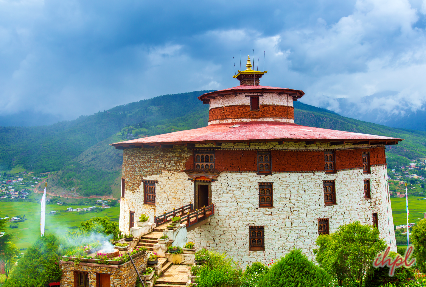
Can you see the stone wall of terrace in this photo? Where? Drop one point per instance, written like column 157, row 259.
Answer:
column 123, row 275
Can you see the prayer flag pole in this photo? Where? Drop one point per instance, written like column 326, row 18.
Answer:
column 408, row 212
column 43, row 211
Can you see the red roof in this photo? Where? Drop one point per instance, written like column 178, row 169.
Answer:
column 257, row 132
column 252, row 89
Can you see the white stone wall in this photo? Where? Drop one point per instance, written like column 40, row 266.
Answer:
column 293, row 221
column 173, row 190
column 244, row 99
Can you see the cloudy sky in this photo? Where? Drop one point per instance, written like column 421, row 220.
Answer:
column 67, row 58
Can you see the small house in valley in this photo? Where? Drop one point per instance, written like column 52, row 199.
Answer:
column 255, row 184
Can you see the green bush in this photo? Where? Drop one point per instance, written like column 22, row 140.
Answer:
column 143, row 218
column 253, row 274
column 349, row 252
column 39, row 265
column 296, row 270
column 219, row 270
column 380, row 276
column 419, row 241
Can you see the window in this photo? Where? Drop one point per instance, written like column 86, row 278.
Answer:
column 81, row 279
column 366, row 162
column 254, row 103
column 123, row 186
column 329, row 192
column 204, row 160
column 257, row 238
column 131, row 219
column 367, row 189
column 265, row 194
column 263, row 162
column 375, row 220
column 323, row 226
column 330, row 161
column 149, row 191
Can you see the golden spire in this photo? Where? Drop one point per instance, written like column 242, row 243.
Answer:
column 248, row 65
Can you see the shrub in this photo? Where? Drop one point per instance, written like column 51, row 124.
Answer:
column 295, row 270
column 189, row 245
column 176, row 219
column 164, row 237
column 253, row 274
column 348, row 253
column 143, row 218
column 380, row 276
column 174, row 249
column 419, row 241
column 39, row 265
column 218, row 271
column 202, row 254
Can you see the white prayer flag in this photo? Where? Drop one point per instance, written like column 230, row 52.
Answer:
column 43, row 212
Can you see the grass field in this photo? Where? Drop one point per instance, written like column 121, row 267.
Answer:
column 416, row 205
column 59, row 223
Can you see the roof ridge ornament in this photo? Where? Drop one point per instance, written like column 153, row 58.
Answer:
column 249, row 77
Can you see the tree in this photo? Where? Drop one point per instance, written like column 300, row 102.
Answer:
column 98, row 225
column 296, row 270
column 348, row 253
column 8, row 250
column 39, row 265
column 418, row 237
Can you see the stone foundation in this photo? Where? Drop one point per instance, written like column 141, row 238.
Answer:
column 123, row 275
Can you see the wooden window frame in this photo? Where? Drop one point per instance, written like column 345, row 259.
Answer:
column 376, row 220
column 254, row 103
column 367, row 189
column 330, row 161
column 262, row 188
column 256, row 238
column 201, row 164
column 131, row 222
column 262, row 163
column 77, row 278
column 366, row 162
column 326, row 184
column 123, row 187
column 146, row 191
column 323, row 226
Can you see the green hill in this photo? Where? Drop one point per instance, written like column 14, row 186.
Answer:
column 78, row 154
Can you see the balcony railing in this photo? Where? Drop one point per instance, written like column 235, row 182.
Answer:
column 168, row 216
column 199, row 215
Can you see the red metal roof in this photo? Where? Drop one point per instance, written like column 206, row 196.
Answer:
column 252, row 89
column 256, row 132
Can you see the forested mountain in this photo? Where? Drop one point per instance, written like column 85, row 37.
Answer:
column 79, row 157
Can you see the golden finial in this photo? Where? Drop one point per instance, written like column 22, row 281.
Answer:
column 248, row 65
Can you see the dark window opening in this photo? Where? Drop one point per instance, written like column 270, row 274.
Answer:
column 131, row 219
column 81, row 279
column 323, row 226
column 366, row 162
column 264, row 162
column 329, row 192
column 123, row 186
column 256, row 238
column 330, row 161
column 204, row 160
column 265, row 194
column 149, row 191
column 254, row 103
column 367, row 192
column 375, row 220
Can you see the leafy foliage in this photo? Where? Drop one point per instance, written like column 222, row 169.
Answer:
column 419, row 241
column 253, row 274
column 377, row 277
column 98, row 225
column 348, row 253
column 8, row 250
column 295, row 269
column 219, row 270
column 39, row 265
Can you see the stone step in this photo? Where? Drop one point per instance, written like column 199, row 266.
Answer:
column 146, row 244
column 160, row 282
column 166, row 266
column 148, row 241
